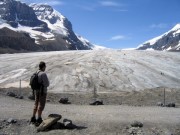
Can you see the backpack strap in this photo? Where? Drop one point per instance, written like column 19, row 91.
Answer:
column 38, row 74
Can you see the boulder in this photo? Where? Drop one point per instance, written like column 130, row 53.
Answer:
column 19, row 97
column 171, row 105
column 48, row 100
column 68, row 124
column 137, row 124
column 11, row 94
column 135, row 131
column 160, row 104
column 48, row 122
column 64, row 101
column 11, row 120
column 57, row 125
column 97, row 102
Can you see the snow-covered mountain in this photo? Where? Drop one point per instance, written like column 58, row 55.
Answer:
column 169, row 41
column 93, row 46
column 36, row 27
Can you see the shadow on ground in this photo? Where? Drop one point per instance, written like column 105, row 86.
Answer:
column 59, row 125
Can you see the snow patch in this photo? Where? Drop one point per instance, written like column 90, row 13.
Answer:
column 68, row 42
column 17, row 19
column 45, row 15
column 176, row 33
column 87, row 43
column 150, row 49
column 153, row 41
column 33, row 33
column 97, row 47
column 169, row 48
column 176, row 27
column 83, row 40
column 3, row 25
column 2, row 8
column 129, row 49
column 16, row 84
column 178, row 46
column 12, row 75
column 2, row 21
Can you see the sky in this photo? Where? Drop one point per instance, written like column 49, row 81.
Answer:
column 118, row 24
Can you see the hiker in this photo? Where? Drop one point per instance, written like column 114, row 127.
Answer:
column 40, row 95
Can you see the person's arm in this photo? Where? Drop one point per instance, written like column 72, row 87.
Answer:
column 45, row 80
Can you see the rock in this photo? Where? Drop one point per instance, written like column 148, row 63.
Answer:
column 48, row 100
column 11, row 94
column 171, row 105
column 126, row 127
column 135, row 131
column 137, row 124
column 19, row 97
column 64, row 101
column 57, row 125
column 160, row 104
column 132, row 130
column 11, row 120
column 48, row 122
column 97, row 102
column 68, row 124
column 162, row 73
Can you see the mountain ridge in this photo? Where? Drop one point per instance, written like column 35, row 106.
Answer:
column 48, row 29
column 169, row 41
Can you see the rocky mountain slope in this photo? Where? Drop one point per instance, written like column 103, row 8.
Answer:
column 35, row 28
column 105, row 70
column 169, row 41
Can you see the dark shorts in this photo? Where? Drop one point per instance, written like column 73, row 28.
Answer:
column 40, row 101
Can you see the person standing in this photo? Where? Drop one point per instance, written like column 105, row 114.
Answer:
column 40, row 95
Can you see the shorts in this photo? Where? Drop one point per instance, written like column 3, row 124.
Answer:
column 40, row 101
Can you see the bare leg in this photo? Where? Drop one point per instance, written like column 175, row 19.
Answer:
column 34, row 112
column 39, row 113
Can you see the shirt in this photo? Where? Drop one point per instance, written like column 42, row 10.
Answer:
column 43, row 79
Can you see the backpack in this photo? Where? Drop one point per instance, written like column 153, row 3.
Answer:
column 35, row 85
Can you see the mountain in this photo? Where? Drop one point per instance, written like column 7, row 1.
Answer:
column 35, row 27
column 93, row 46
column 169, row 41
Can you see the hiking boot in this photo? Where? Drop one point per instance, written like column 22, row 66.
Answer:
column 39, row 121
column 33, row 120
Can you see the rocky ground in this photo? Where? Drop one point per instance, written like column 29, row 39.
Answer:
column 116, row 116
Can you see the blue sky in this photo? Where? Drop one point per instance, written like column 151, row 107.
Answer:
column 118, row 23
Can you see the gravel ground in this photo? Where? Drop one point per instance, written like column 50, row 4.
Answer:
column 107, row 119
